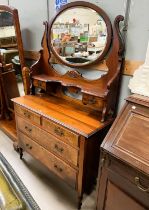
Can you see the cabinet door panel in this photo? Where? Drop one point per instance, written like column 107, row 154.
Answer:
column 117, row 199
column 116, row 192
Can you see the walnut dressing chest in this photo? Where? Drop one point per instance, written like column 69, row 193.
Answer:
column 63, row 137
column 65, row 114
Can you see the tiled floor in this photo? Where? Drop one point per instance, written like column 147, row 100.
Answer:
column 47, row 190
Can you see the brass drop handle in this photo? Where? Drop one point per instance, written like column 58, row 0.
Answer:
column 27, row 145
column 138, row 184
column 91, row 100
column 26, row 114
column 59, row 131
column 58, row 168
column 40, row 83
column 28, row 129
column 59, row 149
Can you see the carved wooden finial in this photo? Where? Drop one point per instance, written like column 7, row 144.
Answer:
column 118, row 19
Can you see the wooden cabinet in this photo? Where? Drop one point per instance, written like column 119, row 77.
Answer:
column 67, row 144
column 124, row 163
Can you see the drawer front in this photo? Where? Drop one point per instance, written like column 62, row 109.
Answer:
column 27, row 114
column 60, row 132
column 140, row 180
column 56, row 165
column 48, row 141
column 39, row 84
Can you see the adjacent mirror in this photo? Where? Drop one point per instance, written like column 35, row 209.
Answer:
column 11, row 64
column 11, row 52
column 80, row 35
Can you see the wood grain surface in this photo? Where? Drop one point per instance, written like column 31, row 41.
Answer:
column 81, row 120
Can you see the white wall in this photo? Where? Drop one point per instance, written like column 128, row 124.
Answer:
column 32, row 13
column 138, row 30
column 4, row 2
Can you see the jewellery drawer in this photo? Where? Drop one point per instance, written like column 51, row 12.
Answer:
column 48, row 141
column 28, row 114
column 56, row 165
column 60, row 132
column 140, row 180
column 39, row 84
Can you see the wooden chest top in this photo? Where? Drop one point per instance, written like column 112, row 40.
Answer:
column 80, row 119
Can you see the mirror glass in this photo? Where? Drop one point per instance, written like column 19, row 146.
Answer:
column 78, row 36
column 10, row 56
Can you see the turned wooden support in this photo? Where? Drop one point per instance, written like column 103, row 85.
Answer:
column 26, row 80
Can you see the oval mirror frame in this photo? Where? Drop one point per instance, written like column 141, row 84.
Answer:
column 99, row 11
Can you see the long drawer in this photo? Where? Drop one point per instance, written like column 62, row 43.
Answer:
column 27, row 114
column 60, row 132
column 48, row 141
column 63, row 170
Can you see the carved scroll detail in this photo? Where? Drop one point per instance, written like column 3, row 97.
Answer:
column 73, row 74
column 118, row 19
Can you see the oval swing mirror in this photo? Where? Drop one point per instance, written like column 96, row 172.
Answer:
column 80, row 34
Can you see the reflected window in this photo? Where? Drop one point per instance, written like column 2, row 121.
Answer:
column 79, row 35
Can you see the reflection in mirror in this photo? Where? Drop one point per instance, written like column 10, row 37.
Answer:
column 79, row 35
column 10, row 55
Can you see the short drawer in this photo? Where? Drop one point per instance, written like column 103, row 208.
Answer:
column 60, row 132
column 27, row 114
column 48, row 141
column 39, row 84
column 63, row 170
